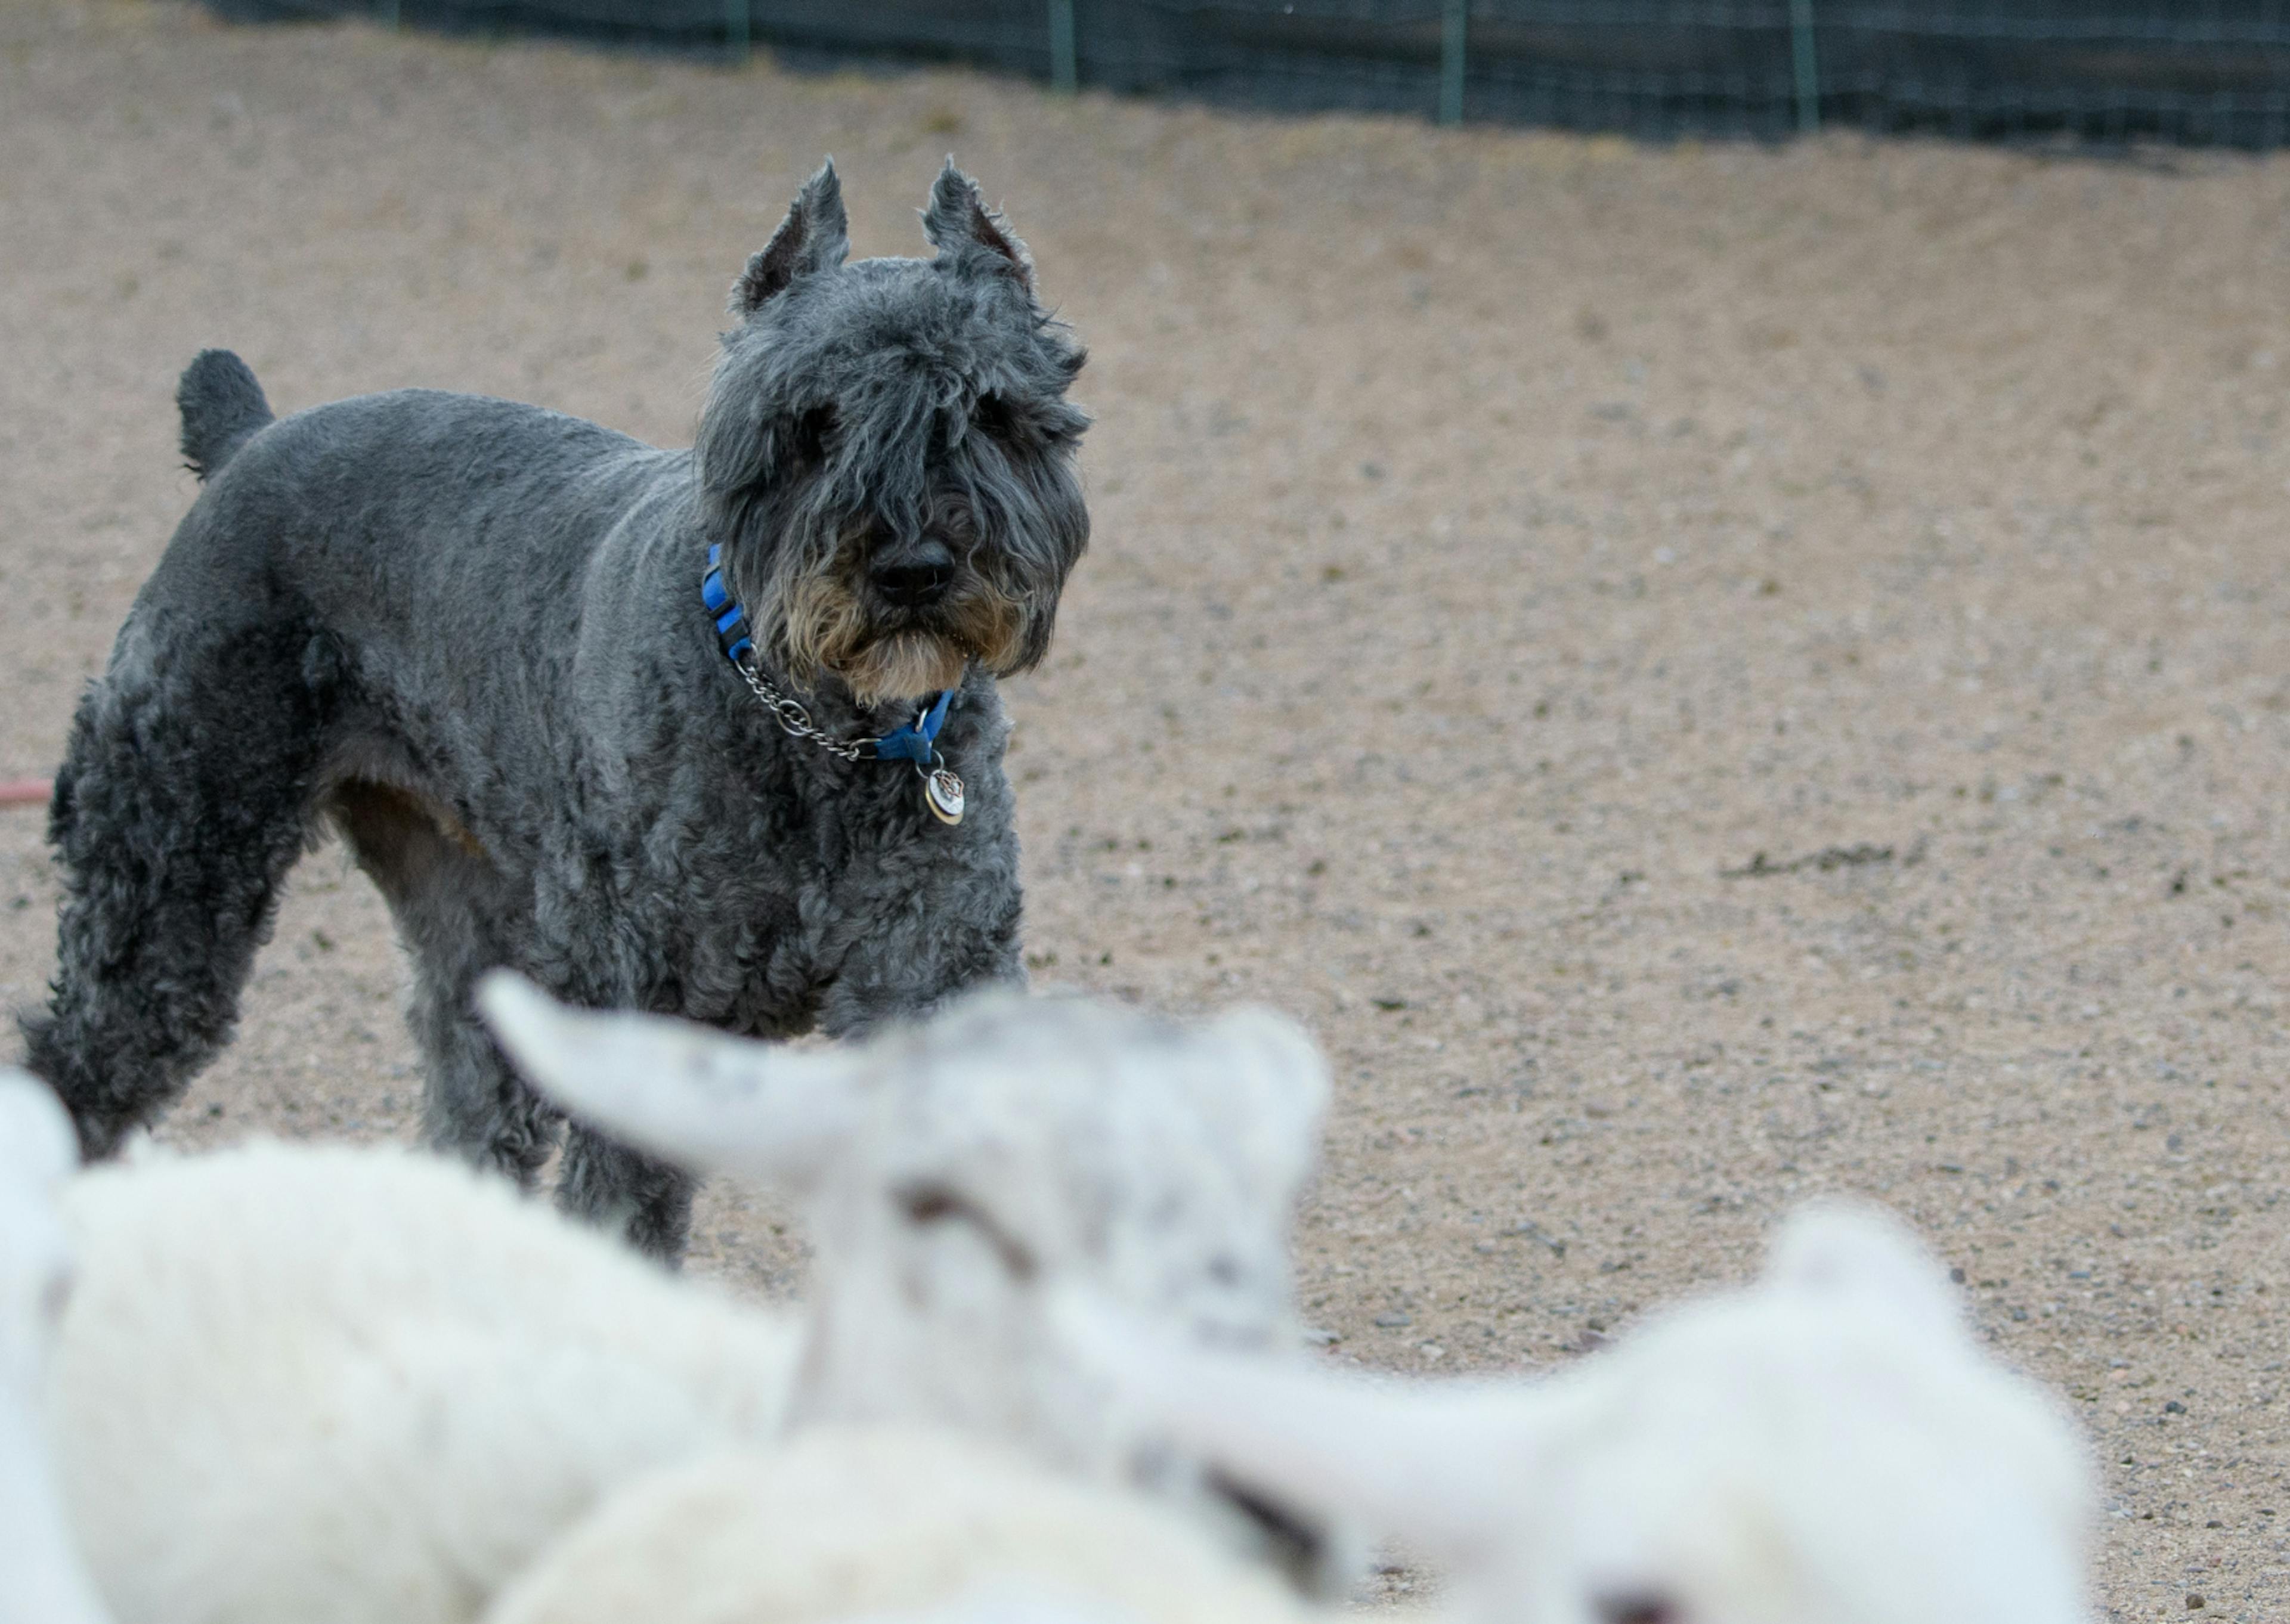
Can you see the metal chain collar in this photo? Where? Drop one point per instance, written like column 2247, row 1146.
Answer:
column 943, row 790
column 796, row 720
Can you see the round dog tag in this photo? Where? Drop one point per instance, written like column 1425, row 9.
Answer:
column 942, row 792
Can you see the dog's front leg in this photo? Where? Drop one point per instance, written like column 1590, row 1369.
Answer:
column 643, row 1199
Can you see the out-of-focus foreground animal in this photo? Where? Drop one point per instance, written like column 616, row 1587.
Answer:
column 956, row 1175
column 41, row 1579
column 1830, row 1444
column 846, row 1521
column 358, row 1385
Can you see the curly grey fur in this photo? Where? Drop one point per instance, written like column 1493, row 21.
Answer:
column 467, row 634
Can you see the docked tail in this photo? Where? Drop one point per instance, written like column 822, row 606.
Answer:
column 222, row 407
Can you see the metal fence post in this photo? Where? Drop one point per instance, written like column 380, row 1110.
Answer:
column 736, row 30
column 1807, row 64
column 1065, row 69
column 1453, row 24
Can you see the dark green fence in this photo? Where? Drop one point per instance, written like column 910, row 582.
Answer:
column 2197, row 72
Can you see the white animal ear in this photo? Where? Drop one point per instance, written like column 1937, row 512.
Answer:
column 1269, row 1078
column 698, row 1098
column 1435, row 1466
column 37, row 1145
column 1838, row 1247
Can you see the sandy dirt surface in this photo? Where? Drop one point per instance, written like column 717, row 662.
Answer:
column 1707, row 674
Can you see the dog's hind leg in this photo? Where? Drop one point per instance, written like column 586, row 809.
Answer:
column 448, row 900
column 646, row 1201
column 185, row 794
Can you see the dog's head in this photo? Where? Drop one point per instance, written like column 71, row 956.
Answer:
column 888, row 451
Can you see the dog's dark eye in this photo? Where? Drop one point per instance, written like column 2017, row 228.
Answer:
column 926, row 1203
column 993, row 416
column 1639, row 1607
column 812, row 431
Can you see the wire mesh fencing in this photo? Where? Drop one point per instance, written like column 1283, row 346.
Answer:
column 2194, row 72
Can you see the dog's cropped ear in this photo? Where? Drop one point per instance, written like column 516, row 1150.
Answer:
column 815, row 236
column 701, row 1099
column 1433, row 1464
column 961, row 227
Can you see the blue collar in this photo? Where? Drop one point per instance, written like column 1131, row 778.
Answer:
column 917, row 741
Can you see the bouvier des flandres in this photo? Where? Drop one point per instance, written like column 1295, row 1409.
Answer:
column 712, row 732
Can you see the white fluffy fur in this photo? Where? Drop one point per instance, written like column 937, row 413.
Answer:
column 955, row 1173
column 1829, row 1445
column 1000, row 1605
column 846, row 1522
column 331, row 1384
column 307, row 1385
column 41, row 1579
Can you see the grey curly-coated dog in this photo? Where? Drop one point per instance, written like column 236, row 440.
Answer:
column 474, row 637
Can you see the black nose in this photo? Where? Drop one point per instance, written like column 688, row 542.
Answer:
column 916, row 577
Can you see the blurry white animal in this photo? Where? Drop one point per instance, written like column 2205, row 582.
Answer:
column 956, row 1173
column 41, row 1580
column 1829, row 1445
column 843, row 1522
column 1003, row 1604
column 321, row 1383
column 311, row 1384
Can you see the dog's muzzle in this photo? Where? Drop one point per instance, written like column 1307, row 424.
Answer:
column 915, row 578
column 917, row 742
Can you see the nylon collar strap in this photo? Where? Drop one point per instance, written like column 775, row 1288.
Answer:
column 917, row 741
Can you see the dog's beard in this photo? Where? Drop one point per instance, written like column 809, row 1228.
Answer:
column 902, row 666
column 826, row 629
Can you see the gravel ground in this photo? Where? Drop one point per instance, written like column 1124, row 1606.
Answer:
column 1706, row 674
